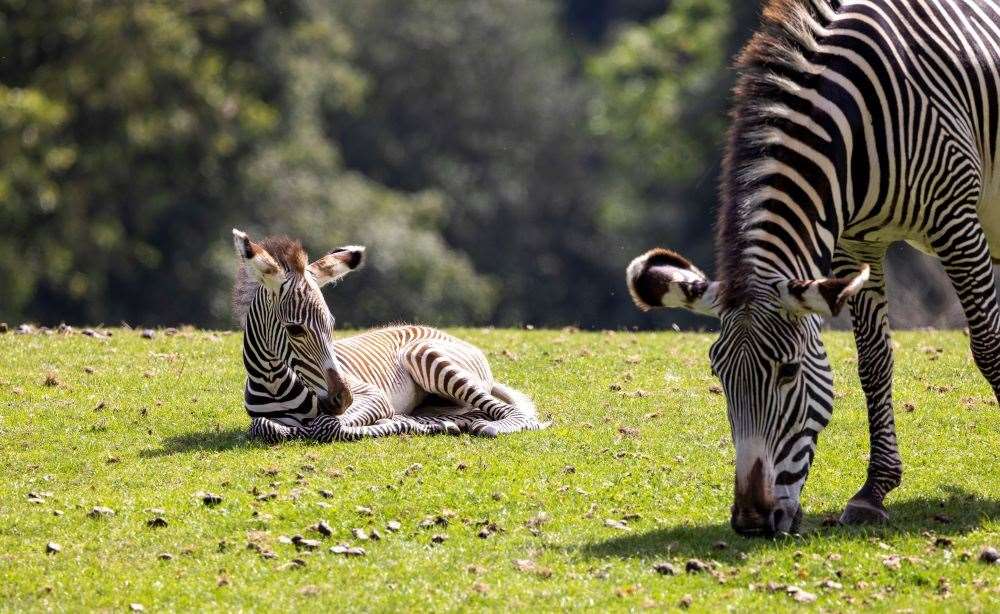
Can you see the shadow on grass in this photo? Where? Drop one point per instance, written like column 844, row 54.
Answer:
column 200, row 441
column 955, row 513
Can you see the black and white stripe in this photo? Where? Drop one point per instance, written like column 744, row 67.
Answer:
column 391, row 372
column 302, row 384
column 856, row 124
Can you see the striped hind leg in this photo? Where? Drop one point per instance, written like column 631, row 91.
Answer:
column 965, row 253
column 439, row 369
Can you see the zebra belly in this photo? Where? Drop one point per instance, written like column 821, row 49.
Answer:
column 989, row 218
column 406, row 396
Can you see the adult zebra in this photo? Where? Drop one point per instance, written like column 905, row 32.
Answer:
column 303, row 384
column 855, row 124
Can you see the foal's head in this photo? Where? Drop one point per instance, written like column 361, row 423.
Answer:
column 290, row 287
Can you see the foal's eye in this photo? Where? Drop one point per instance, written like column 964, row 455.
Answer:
column 295, row 330
column 787, row 372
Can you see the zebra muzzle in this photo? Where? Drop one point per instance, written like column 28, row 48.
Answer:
column 338, row 398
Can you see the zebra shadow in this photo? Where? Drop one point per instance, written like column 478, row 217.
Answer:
column 955, row 513
column 214, row 440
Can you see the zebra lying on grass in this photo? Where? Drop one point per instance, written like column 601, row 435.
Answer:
column 401, row 379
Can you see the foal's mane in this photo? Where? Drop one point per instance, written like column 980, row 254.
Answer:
column 288, row 252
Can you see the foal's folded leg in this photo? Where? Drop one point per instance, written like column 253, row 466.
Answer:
column 271, row 431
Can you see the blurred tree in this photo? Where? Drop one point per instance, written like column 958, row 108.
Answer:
column 502, row 159
column 134, row 134
column 477, row 99
column 593, row 19
column 662, row 108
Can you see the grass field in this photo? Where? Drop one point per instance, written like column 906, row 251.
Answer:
column 141, row 426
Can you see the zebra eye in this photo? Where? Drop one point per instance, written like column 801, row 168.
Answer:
column 295, row 330
column 787, row 372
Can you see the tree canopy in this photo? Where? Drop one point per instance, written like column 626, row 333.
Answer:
column 503, row 160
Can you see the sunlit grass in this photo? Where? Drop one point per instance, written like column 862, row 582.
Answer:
column 135, row 424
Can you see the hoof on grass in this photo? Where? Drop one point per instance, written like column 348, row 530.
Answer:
column 863, row 512
column 482, row 428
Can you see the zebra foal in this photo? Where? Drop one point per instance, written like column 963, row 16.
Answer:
column 401, row 379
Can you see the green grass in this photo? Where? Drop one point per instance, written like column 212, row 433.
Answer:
column 170, row 423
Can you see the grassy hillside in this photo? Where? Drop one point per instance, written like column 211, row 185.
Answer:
column 142, row 426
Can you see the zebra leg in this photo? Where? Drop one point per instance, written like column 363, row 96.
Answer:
column 368, row 406
column 965, row 254
column 371, row 415
column 435, row 372
column 270, row 431
column 326, row 429
column 869, row 315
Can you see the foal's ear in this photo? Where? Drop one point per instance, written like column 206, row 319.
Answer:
column 664, row 278
column 258, row 262
column 825, row 297
column 337, row 263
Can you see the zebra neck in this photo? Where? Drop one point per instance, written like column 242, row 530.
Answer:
column 273, row 388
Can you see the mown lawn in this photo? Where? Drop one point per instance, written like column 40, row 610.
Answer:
column 134, row 424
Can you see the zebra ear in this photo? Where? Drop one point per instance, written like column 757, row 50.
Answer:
column 337, row 263
column 825, row 297
column 257, row 261
column 663, row 278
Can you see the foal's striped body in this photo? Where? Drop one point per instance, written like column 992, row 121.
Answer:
column 408, row 379
column 400, row 379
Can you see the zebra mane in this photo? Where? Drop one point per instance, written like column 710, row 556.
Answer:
column 785, row 40
column 289, row 253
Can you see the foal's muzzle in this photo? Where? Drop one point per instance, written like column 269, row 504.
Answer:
column 337, row 398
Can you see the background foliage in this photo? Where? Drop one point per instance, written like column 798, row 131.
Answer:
column 503, row 159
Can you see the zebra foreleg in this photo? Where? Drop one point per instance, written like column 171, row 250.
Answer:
column 271, row 431
column 371, row 415
column 327, row 429
column 368, row 406
column 371, row 408
column 965, row 254
column 869, row 315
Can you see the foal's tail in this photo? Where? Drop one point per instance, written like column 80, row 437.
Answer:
column 524, row 404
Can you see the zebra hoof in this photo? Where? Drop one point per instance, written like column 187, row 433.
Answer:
column 863, row 512
column 482, row 428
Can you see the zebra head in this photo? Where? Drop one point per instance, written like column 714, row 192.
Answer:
column 774, row 373
column 300, row 315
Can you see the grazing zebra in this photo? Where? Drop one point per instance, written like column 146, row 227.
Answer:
column 855, row 124
column 403, row 379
